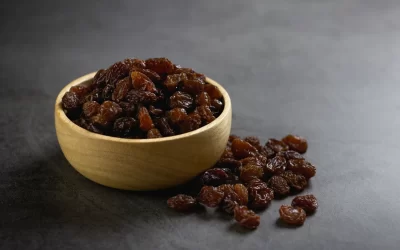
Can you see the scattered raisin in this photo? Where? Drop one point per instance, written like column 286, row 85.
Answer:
column 301, row 166
column 218, row 176
column 290, row 154
column 229, row 163
column 307, row 202
column 275, row 166
column 277, row 145
column 292, row 215
column 267, row 152
column 295, row 181
column 249, row 172
column 182, row 203
column 260, row 195
column 254, row 141
column 210, row 196
column 246, row 217
column 242, row 193
column 203, row 99
column 279, row 185
column 242, row 149
column 296, row 143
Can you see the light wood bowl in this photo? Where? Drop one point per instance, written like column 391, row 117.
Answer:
column 141, row 164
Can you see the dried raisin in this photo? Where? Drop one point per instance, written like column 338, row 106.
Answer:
column 279, row 185
column 210, row 196
column 296, row 143
column 307, row 202
column 246, row 217
column 146, row 123
column 277, row 145
column 301, row 166
column 242, row 149
column 182, row 203
column 292, row 215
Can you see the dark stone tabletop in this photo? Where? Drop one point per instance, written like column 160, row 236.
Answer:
column 324, row 69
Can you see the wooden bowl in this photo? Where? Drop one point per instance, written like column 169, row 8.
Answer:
column 141, row 164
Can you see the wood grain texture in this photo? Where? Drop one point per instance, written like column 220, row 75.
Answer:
column 141, row 164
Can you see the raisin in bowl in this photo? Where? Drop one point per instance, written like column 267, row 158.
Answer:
column 141, row 164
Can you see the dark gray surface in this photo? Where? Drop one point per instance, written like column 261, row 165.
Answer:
column 327, row 70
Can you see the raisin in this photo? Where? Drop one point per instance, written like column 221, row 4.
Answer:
column 249, row 172
column 279, row 185
column 155, row 112
column 229, row 163
column 90, row 108
column 160, row 65
column 277, row 145
column 154, row 133
column 196, row 76
column 267, row 152
column 117, row 71
column 213, row 91
column 122, row 88
column 96, row 95
column 254, row 141
column 253, row 161
column 190, row 122
column 203, row 99
column 193, row 87
column 246, row 217
column 295, row 181
column 146, row 123
column 292, row 215
column 135, row 63
column 88, row 126
column 218, row 176
column 260, row 195
column 128, row 109
column 275, row 166
column 163, row 126
column 227, row 153
column 109, row 111
column 290, row 154
column 210, row 196
column 296, row 143
column 205, row 114
column 242, row 193
column 107, row 92
column 182, row 203
column 99, row 79
column 216, row 106
column 301, row 166
column 230, row 200
column 231, row 138
column 141, row 97
column 242, row 149
column 154, row 77
column 141, row 82
column 80, row 91
column 307, row 202
column 71, row 103
column 178, row 70
column 180, row 100
column 176, row 115
column 124, row 126
column 172, row 81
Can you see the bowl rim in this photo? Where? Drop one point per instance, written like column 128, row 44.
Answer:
column 83, row 132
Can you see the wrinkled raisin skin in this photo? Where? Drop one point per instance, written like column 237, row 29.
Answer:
column 242, row 149
column 296, row 143
column 279, row 185
column 260, row 195
column 296, row 181
column 294, row 216
column 301, row 166
column 307, row 202
column 246, row 217
column 210, row 196
column 145, row 121
column 275, row 166
column 182, row 203
column 124, row 126
column 277, row 145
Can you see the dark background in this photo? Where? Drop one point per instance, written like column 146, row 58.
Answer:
column 327, row 70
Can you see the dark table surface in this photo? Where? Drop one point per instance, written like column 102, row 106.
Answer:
column 327, row 70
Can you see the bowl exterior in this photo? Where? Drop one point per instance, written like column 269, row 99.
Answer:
column 142, row 164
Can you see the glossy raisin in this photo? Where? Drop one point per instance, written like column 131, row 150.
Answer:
column 260, row 195
column 88, row 126
column 176, row 115
column 190, row 123
column 253, row 161
column 178, row 70
column 218, row 176
column 107, row 92
column 172, row 81
column 192, row 87
column 216, row 106
column 155, row 112
column 154, row 133
column 230, row 200
column 277, row 145
column 124, row 126
column 164, row 127
column 99, row 79
column 242, row 193
column 249, row 172
column 213, row 91
column 109, row 111
column 134, row 63
column 227, row 153
column 290, row 154
column 160, row 65
column 307, row 202
column 231, row 138
column 145, row 121
column 296, row 181
column 203, row 99
column 254, row 141
column 246, row 217
column 153, row 76
column 301, row 166
column 296, row 143
column 206, row 114
column 80, row 91
column 141, row 97
column 180, row 100
column 210, row 196
column 196, row 76
column 128, row 109
column 275, row 166
column 279, row 185
column 71, row 102
column 122, row 88
column 242, row 149
column 141, row 82
column 294, row 216
column 267, row 152
column 90, row 108
column 182, row 203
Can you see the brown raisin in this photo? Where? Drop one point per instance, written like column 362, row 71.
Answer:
column 249, row 172
column 141, row 82
column 80, row 91
column 253, row 161
column 254, row 141
column 218, row 176
column 307, row 202
column 124, row 126
column 216, row 106
column 180, row 100
column 109, row 111
column 160, row 65
column 246, row 217
column 203, row 99
column 108, row 92
column 267, row 152
column 295, row 181
column 164, row 127
column 88, row 126
column 176, row 115
column 122, row 88
column 292, row 215
column 128, row 109
column 242, row 149
column 192, row 87
column 233, row 137
column 182, row 203
column 96, row 95
column 301, row 166
column 178, row 70
column 99, row 80
column 141, row 97
column 146, row 123
column 229, row 163
column 296, row 143
column 155, row 112
column 242, row 193
column 135, row 63
column 279, row 185
column 117, row 71
column 190, row 122
column 90, row 108
column 230, row 200
column 275, row 166
column 277, row 145
column 227, row 153
column 260, row 196
column 71, row 103
column 154, row 77
column 210, row 196
column 172, row 81
column 205, row 114
column 290, row 154
column 213, row 91
column 154, row 133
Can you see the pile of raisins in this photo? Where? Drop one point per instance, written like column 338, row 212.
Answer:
column 248, row 176
column 149, row 98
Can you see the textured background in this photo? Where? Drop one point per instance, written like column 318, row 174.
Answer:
column 324, row 69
